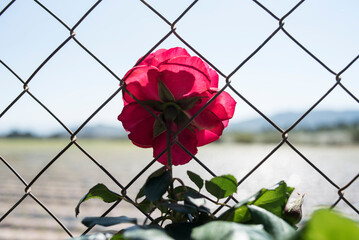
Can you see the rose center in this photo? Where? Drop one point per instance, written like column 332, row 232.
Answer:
column 171, row 111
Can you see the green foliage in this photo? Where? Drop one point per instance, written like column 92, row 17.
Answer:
column 220, row 230
column 149, row 232
column 180, row 230
column 164, row 93
column 185, row 215
column 157, row 184
column 188, row 102
column 328, row 225
column 180, row 208
column 146, row 205
column 196, row 179
column 179, row 192
column 275, row 226
column 273, row 200
column 99, row 191
column 107, row 221
column 98, row 236
column 158, row 127
column 222, row 186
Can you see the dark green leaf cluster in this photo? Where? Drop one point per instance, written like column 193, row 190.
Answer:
column 184, row 212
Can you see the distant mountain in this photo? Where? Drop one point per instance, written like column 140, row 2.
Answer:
column 314, row 120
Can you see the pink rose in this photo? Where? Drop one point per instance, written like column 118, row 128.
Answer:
column 174, row 85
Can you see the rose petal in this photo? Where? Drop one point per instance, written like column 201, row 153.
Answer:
column 223, row 106
column 214, row 78
column 207, row 136
column 179, row 157
column 205, row 120
column 213, row 75
column 180, row 84
column 142, row 83
column 162, row 55
column 148, row 60
column 139, row 122
column 184, row 76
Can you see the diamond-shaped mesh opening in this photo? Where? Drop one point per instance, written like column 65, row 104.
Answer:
column 29, row 219
column 327, row 35
column 283, row 85
column 27, row 40
column 11, row 188
column 121, row 28
column 349, row 85
column 239, row 26
column 169, row 10
column 68, row 11
column 351, row 197
column 27, row 112
column 29, row 156
column 10, row 87
column 62, row 65
column 68, row 97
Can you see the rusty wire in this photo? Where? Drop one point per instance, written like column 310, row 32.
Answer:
column 172, row 32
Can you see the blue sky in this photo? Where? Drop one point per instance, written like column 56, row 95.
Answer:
column 280, row 77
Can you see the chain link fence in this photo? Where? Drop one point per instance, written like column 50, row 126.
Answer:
column 172, row 32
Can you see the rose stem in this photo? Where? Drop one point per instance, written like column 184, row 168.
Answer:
column 169, row 156
column 169, row 134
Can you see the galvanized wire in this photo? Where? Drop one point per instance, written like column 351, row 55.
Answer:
column 228, row 86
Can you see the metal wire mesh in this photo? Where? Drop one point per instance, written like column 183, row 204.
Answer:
column 172, row 31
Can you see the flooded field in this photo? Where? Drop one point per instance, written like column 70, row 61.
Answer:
column 61, row 186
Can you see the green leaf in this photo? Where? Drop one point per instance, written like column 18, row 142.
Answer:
column 188, row 103
column 222, row 186
column 197, row 200
column 196, row 179
column 220, row 230
column 158, row 127
column 239, row 214
column 182, row 119
column 157, row 184
column 181, row 208
column 274, row 225
column 273, row 200
column 118, row 236
column 329, row 225
column 160, row 219
column 161, row 207
column 146, row 206
column 153, row 104
column 180, row 230
column 164, row 93
column 95, row 236
column 141, row 193
column 180, row 192
column 149, row 232
column 107, row 221
column 98, row 191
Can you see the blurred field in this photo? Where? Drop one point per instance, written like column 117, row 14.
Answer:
column 73, row 173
